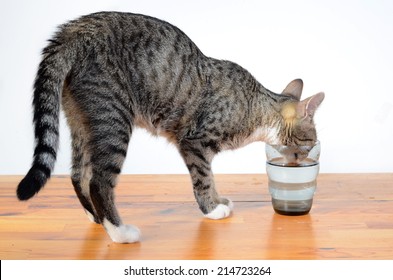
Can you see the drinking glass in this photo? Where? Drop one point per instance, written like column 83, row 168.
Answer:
column 292, row 174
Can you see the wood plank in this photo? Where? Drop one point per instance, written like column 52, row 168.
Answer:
column 352, row 218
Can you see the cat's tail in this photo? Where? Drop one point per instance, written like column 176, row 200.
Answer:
column 56, row 63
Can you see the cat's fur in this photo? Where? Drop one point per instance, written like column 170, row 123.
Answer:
column 114, row 71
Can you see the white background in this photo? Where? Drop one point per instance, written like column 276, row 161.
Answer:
column 344, row 48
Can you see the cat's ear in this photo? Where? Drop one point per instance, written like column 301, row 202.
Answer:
column 307, row 107
column 294, row 89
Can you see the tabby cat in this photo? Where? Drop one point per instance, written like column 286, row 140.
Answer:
column 114, row 71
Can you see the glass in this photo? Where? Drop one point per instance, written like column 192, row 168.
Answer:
column 292, row 173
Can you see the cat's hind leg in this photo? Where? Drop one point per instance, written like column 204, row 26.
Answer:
column 103, row 110
column 81, row 174
column 108, row 148
column 198, row 160
column 81, row 167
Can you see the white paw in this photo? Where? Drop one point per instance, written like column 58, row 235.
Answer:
column 221, row 211
column 123, row 233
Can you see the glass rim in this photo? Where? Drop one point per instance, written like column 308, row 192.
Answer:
column 283, row 165
column 305, row 146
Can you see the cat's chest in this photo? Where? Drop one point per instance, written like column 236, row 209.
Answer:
column 268, row 135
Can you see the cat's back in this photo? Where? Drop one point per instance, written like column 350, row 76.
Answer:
column 156, row 65
column 127, row 30
column 157, row 51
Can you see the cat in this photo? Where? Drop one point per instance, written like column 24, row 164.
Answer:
column 113, row 71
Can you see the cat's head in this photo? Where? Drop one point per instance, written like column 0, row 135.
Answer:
column 297, row 129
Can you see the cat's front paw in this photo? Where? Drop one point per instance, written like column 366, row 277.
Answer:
column 221, row 211
column 122, row 233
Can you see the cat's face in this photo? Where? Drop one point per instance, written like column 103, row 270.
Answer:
column 297, row 133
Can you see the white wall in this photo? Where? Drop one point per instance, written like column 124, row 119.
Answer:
column 343, row 48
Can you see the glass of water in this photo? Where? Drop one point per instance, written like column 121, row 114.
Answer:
column 292, row 173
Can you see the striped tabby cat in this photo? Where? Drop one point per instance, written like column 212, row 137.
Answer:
column 113, row 71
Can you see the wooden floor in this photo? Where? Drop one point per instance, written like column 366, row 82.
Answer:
column 352, row 218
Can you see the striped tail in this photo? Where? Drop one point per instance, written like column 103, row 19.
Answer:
column 48, row 86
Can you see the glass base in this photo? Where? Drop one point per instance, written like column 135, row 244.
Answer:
column 292, row 207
